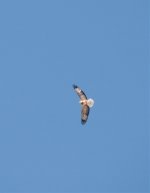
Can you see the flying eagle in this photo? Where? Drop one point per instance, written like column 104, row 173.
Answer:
column 85, row 103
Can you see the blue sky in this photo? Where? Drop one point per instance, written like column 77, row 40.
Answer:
column 45, row 47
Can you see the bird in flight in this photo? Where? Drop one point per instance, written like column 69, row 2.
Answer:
column 86, row 104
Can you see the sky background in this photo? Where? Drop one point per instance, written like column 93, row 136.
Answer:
column 45, row 47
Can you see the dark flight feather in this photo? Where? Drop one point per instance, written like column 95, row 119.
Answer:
column 84, row 114
column 79, row 92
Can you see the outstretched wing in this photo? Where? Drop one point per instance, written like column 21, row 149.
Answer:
column 79, row 92
column 84, row 113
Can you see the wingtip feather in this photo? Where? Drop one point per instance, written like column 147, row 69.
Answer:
column 75, row 86
column 83, row 122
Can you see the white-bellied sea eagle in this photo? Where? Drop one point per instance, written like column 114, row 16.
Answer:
column 85, row 103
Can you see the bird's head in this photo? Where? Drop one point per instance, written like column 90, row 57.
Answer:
column 90, row 102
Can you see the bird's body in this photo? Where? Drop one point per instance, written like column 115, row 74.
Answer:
column 85, row 103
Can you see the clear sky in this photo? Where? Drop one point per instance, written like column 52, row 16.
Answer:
column 45, row 47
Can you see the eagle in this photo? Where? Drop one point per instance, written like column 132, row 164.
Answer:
column 86, row 104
